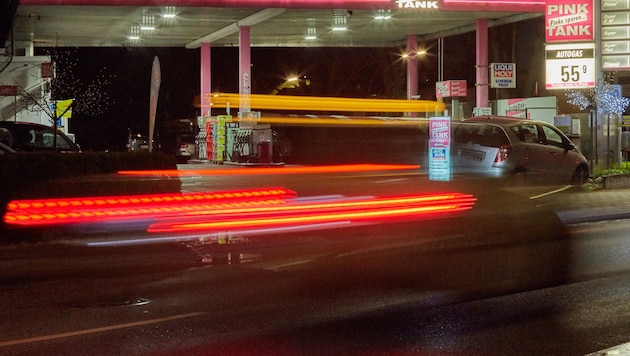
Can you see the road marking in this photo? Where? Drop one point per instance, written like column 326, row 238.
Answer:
column 551, row 192
column 98, row 330
column 289, row 264
column 623, row 349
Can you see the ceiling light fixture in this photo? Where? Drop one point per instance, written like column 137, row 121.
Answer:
column 383, row 15
column 148, row 23
column 340, row 20
column 169, row 12
column 134, row 33
column 311, row 31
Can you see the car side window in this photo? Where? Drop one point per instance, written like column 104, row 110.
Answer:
column 6, row 137
column 527, row 133
column 552, row 137
column 27, row 137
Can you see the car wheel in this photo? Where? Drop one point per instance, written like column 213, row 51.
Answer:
column 580, row 175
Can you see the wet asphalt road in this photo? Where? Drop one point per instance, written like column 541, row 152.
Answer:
column 161, row 299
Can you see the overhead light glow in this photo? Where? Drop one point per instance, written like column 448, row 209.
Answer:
column 148, row 23
column 340, row 19
column 311, row 31
column 134, row 33
column 169, row 12
column 383, row 15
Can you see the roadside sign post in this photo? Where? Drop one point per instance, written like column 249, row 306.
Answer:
column 454, row 89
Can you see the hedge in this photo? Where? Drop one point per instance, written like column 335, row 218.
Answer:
column 50, row 174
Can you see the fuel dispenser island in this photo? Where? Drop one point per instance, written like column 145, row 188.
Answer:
column 238, row 140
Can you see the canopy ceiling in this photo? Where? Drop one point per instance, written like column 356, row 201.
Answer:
column 109, row 23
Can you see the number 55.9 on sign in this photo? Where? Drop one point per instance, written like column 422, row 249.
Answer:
column 570, row 66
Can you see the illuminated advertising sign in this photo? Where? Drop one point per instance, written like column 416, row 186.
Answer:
column 414, row 4
column 615, row 35
column 450, row 88
column 570, row 66
column 493, row 5
column 569, row 20
column 440, row 148
column 503, row 75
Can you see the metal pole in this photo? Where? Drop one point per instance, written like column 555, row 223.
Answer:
column 608, row 153
column 594, row 148
column 597, row 27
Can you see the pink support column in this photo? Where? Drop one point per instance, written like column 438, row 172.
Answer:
column 205, row 79
column 412, row 66
column 244, row 45
column 482, row 63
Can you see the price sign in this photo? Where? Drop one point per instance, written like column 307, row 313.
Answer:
column 570, row 66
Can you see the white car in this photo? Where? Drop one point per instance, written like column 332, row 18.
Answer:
column 513, row 147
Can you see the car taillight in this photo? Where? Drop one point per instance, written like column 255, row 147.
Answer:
column 503, row 153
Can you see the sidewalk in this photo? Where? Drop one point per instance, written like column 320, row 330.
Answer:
column 587, row 206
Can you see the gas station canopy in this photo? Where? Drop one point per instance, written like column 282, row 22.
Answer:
column 273, row 23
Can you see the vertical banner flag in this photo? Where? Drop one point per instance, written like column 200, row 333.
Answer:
column 64, row 109
column 156, row 78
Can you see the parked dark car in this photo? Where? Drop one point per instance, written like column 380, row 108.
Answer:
column 4, row 149
column 513, row 147
column 32, row 137
column 138, row 140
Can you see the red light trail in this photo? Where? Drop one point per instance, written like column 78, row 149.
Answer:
column 352, row 168
column 232, row 211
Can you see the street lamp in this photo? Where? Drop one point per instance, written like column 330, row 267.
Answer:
column 289, row 83
column 413, row 54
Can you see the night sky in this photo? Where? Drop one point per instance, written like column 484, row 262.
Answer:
column 347, row 72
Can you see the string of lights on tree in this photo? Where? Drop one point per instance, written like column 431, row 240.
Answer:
column 90, row 97
column 602, row 98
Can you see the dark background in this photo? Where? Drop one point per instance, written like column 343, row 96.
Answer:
column 124, row 74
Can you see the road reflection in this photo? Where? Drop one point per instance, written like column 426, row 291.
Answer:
column 367, row 225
